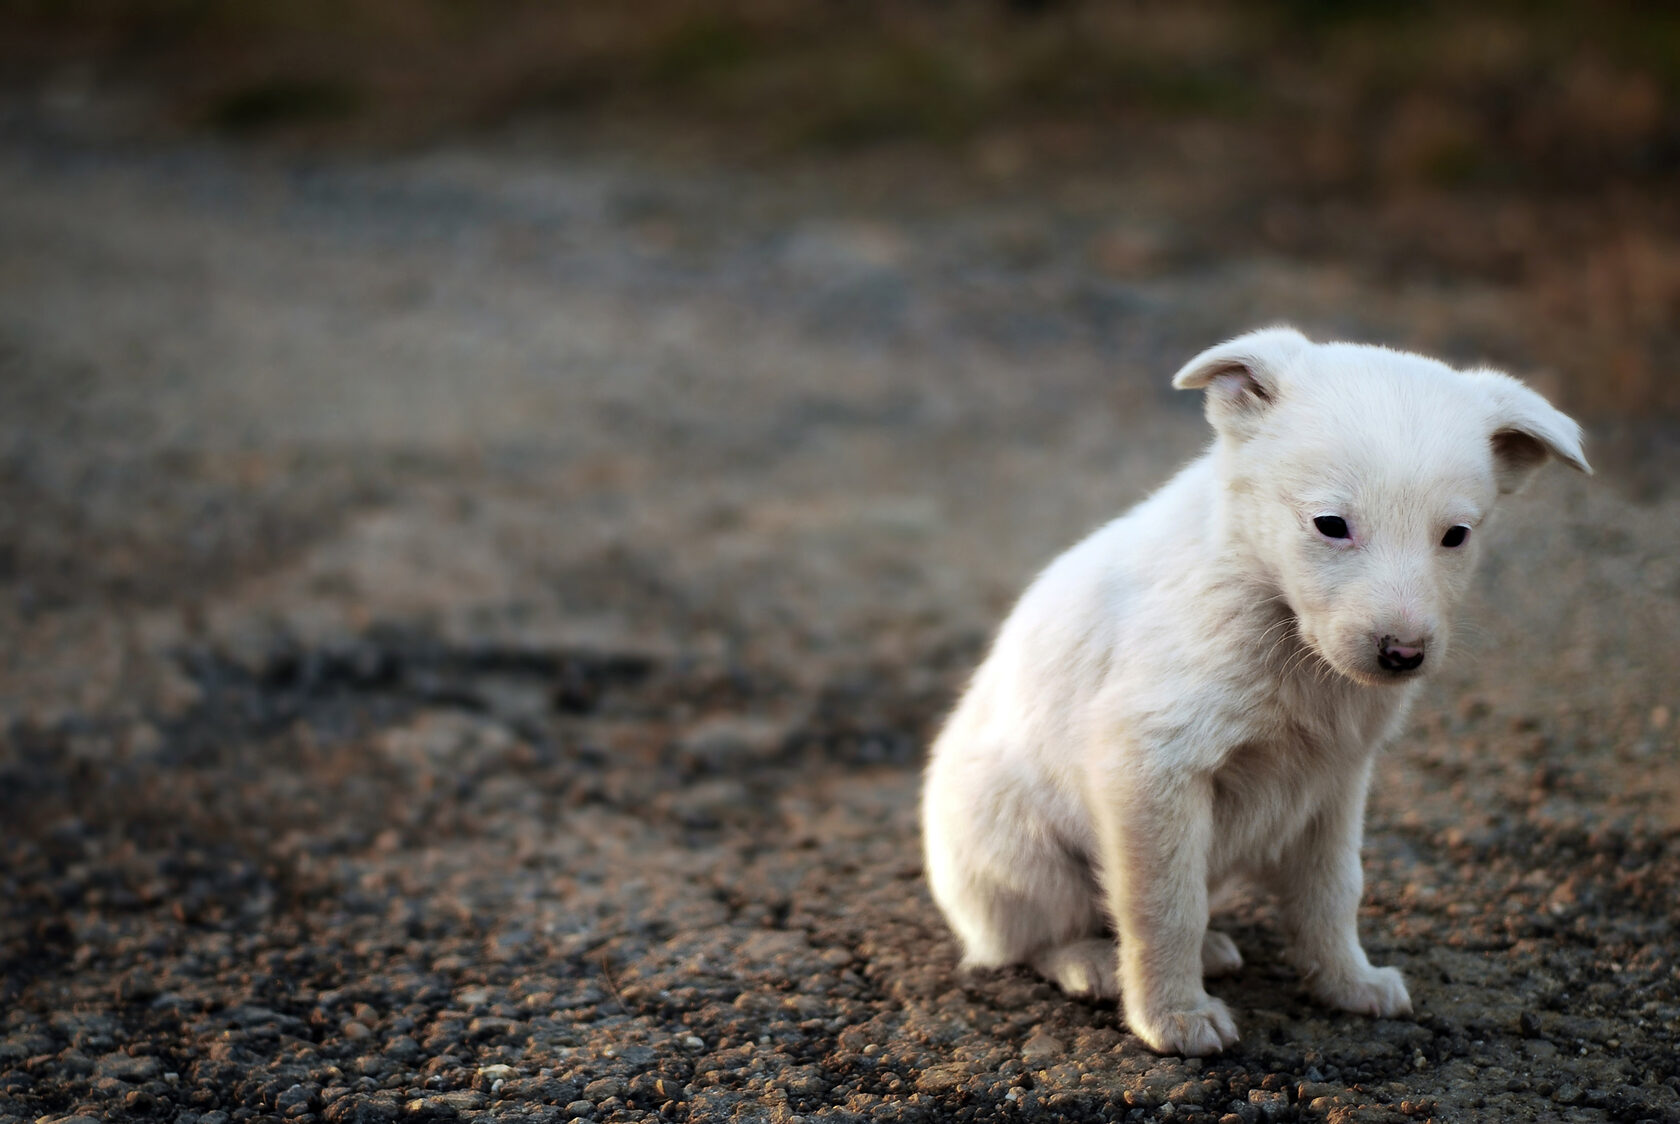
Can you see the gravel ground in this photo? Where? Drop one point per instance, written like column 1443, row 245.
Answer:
column 472, row 621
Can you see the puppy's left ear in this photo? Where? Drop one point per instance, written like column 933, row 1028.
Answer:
column 1525, row 430
column 1241, row 376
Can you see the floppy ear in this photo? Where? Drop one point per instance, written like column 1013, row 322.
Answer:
column 1525, row 430
column 1241, row 375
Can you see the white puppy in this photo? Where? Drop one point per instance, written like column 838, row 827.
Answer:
column 1194, row 694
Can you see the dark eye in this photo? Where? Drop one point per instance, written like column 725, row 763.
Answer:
column 1335, row 527
column 1455, row 536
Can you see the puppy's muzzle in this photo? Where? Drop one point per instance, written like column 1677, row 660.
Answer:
column 1398, row 655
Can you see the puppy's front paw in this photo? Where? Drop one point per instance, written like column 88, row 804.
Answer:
column 1378, row 992
column 1204, row 1028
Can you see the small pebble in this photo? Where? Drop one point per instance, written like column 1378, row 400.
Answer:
column 1041, row 1048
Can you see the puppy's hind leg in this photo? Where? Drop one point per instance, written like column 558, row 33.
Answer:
column 1086, row 967
column 1005, row 881
column 1043, row 912
column 1219, row 955
column 1024, row 900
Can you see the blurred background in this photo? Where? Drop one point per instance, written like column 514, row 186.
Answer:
column 772, row 334
column 1531, row 146
column 495, row 496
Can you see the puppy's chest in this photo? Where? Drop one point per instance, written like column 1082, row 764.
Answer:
column 1278, row 772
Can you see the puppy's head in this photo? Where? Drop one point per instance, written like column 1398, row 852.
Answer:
column 1356, row 482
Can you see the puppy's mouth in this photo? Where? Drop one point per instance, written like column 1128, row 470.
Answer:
column 1373, row 673
column 1381, row 677
column 1364, row 670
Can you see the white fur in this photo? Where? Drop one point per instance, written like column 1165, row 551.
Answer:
column 1193, row 694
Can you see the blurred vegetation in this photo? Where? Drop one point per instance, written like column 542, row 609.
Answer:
column 1553, row 92
column 1535, row 144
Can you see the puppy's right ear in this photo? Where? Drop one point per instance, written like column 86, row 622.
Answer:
column 1241, row 375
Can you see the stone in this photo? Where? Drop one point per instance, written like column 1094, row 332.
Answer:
column 942, row 1078
column 1273, row 1104
column 1041, row 1048
column 126, row 1068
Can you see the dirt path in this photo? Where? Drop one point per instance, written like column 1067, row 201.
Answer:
column 472, row 620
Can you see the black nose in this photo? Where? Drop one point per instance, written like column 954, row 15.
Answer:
column 1395, row 656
